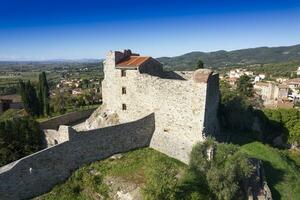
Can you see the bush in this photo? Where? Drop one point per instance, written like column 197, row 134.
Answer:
column 222, row 174
column 162, row 181
column 286, row 122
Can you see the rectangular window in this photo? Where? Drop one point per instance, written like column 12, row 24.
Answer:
column 123, row 90
column 123, row 73
column 124, row 106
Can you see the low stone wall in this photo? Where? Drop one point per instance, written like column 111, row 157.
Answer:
column 38, row 173
column 66, row 119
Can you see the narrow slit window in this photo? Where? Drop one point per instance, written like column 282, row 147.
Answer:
column 123, row 90
column 123, row 73
column 124, row 106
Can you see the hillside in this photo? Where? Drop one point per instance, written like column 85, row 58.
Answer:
column 240, row 57
column 118, row 177
column 125, row 176
column 282, row 169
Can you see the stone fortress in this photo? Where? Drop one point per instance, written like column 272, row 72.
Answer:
column 143, row 105
column 184, row 103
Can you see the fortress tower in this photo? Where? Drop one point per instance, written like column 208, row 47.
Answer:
column 184, row 103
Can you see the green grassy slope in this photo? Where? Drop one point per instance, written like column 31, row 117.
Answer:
column 282, row 169
column 88, row 181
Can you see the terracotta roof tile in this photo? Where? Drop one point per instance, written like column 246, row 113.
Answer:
column 132, row 62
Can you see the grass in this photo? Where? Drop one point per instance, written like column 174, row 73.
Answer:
column 281, row 168
column 130, row 167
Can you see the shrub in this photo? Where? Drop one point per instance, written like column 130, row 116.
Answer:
column 223, row 173
column 162, row 181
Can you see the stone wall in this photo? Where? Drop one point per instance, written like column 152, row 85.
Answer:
column 53, row 137
column 66, row 119
column 211, row 125
column 38, row 173
column 183, row 106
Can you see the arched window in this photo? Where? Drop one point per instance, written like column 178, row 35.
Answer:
column 55, row 142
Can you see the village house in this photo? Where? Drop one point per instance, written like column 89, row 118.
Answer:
column 273, row 95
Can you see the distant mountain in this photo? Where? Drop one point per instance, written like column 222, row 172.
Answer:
column 84, row 60
column 242, row 57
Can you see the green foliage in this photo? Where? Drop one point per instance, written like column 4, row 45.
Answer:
column 236, row 114
column 235, row 111
column 244, row 86
column 222, row 174
column 282, row 172
column 286, row 69
column 43, row 95
column 19, row 137
column 285, row 121
column 162, row 181
column 200, row 64
column 29, row 98
column 135, row 167
column 239, row 58
column 11, row 113
column 59, row 102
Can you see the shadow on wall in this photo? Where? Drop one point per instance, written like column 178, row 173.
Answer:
column 172, row 75
column 38, row 173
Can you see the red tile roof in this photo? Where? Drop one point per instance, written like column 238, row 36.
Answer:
column 132, row 62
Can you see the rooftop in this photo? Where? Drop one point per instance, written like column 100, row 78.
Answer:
column 132, row 61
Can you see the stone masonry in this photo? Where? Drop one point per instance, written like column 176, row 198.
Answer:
column 185, row 103
column 143, row 105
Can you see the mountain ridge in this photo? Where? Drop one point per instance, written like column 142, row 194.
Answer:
column 241, row 57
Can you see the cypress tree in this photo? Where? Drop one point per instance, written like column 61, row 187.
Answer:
column 33, row 100
column 43, row 94
column 29, row 98
column 40, row 95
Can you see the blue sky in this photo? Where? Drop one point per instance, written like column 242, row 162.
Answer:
column 42, row 29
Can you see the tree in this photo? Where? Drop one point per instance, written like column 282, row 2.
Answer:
column 244, row 86
column 224, row 172
column 19, row 137
column 43, row 94
column 59, row 102
column 161, row 181
column 29, row 98
column 200, row 64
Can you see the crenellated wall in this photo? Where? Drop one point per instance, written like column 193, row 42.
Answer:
column 38, row 173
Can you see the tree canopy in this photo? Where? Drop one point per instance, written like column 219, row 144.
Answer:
column 200, row 64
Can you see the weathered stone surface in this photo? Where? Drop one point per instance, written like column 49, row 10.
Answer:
column 185, row 105
column 169, row 111
column 66, row 119
column 38, row 173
